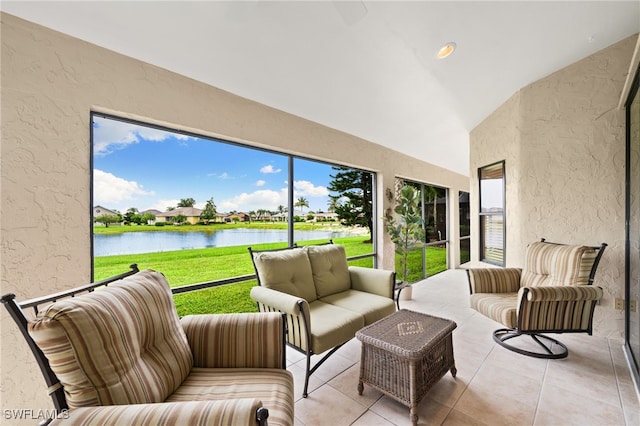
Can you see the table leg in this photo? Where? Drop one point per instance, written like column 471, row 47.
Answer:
column 454, row 371
column 414, row 415
column 360, row 387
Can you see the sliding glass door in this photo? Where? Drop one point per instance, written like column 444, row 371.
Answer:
column 632, row 290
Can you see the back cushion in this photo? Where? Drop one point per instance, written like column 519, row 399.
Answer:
column 330, row 269
column 553, row 264
column 121, row 344
column 288, row 271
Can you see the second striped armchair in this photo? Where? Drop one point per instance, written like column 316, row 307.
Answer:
column 552, row 293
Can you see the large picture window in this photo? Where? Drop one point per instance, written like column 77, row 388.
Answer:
column 492, row 213
column 189, row 206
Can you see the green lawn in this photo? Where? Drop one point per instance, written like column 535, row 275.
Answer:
column 202, row 265
column 209, row 264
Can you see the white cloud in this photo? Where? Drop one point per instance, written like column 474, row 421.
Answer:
column 109, row 189
column 110, row 135
column 269, row 169
column 163, row 204
column 303, row 187
column 261, row 183
column 262, row 199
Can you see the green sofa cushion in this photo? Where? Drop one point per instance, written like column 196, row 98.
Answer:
column 329, row 268
column 288, row 271
column 371, row 306
column 332, row 325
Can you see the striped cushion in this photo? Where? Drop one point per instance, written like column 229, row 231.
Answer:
column 274, row 387
column 500, row 307
column 236, row 340
column 494, row 280
column 555, row 264
column 241, row 412
column 560, row 309
column 122, row 344
column 554, row 294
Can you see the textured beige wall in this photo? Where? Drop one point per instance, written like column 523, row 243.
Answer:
column 50, row 82
column 563, row 139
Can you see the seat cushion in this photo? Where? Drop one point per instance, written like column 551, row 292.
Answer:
column 332, row 325
column 122, row 344
column 556, row 264
column 329, row 268
column 500, row 307
column 371, row 306
column 274, row 387
column 237, row 412
column 288, row 271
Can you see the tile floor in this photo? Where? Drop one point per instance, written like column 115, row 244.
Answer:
column 494, row 386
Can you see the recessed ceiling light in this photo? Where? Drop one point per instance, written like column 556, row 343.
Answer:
column 446, row 50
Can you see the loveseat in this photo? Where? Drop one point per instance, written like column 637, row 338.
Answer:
column 325, row 301
column 123, row 356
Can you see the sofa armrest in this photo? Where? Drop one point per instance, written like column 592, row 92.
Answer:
column 279, row 301
column 374, row 281
column 494, row 280
column 245, row 411
column 244, row 340
column 296, row 310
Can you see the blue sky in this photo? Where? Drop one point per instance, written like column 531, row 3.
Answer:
column 146, row 168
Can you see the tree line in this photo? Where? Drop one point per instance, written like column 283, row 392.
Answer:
column 351, row 200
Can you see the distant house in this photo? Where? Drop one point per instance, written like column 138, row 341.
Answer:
column 325, row 217
column 192, row 215
column 238, row 217
column 99, row 211
column 153, row 212
column 284, row 217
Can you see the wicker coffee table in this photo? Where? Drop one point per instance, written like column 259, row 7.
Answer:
column 405, row 354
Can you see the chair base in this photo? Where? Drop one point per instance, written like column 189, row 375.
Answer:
column 503, row 334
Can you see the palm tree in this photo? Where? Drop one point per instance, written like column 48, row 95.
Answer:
column 302, row 202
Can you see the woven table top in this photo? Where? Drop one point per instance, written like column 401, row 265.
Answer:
column 406, row 333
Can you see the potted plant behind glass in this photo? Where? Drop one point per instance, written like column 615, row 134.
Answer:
column 405, row 229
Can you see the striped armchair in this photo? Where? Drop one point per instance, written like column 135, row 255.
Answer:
column 122, row 356
column 552, row 293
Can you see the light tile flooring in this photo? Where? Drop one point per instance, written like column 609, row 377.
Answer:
column 494, row 386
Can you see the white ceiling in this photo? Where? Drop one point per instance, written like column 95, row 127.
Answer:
column 367, row 68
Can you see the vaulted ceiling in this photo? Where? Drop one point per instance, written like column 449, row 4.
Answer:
column 368, row 68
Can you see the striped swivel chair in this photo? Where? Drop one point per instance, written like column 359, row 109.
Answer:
column 552, row 293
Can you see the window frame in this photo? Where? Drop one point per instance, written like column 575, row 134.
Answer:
column 502, row 214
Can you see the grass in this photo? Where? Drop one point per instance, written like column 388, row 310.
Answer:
column 436, row 262
column 185, row 267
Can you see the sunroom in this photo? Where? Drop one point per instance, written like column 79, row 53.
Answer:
column 533, row 98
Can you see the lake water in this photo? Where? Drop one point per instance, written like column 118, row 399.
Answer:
column 149, row 242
